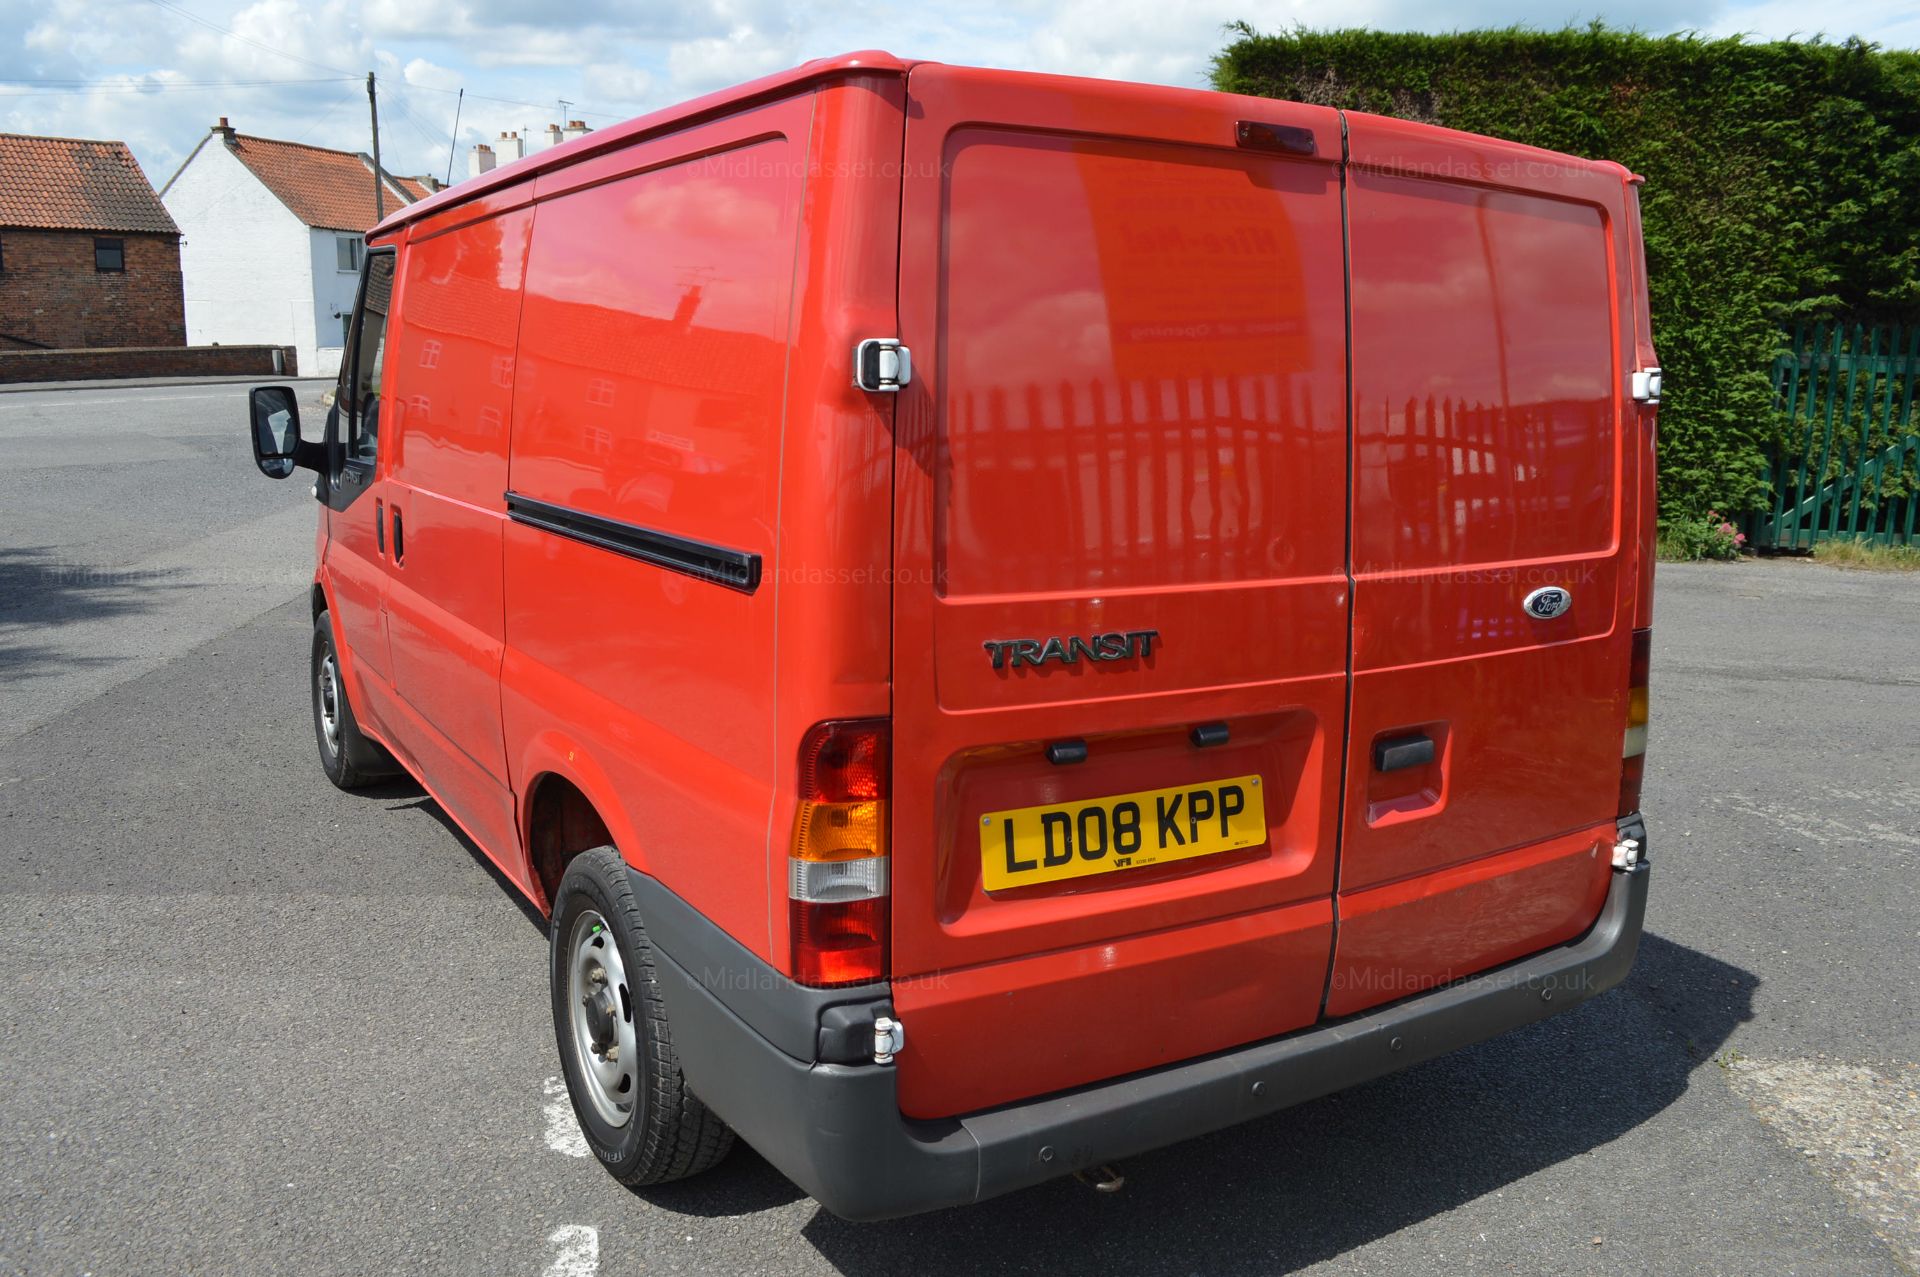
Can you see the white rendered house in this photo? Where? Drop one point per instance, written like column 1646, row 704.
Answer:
column 271, row 238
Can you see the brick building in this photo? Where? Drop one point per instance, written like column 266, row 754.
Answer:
column 89, row 256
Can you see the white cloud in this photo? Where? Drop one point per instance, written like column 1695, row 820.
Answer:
column 701, row 66
column 431, row 75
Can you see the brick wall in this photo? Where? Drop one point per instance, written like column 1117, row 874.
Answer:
column 51, row 294
column 148, row 361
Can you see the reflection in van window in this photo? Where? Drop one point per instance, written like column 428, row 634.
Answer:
column 364, row 356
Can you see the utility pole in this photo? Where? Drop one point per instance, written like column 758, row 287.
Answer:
column 379, row 185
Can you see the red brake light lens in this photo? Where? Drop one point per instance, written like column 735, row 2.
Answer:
column 844, row 762
column 1642, row 670
column 1632, row 772
column 844, row 942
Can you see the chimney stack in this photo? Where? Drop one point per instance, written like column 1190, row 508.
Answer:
column 225, row 131
column 554, row 136
column 683, row 312
column 479, row 160
column 512, row 147
column 577, row 128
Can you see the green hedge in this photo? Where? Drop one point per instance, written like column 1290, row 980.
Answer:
column 1783, row 181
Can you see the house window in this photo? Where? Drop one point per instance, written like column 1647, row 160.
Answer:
column 346, row 249
column 110, row 255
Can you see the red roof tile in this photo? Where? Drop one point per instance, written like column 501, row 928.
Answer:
column 70, row 184
column 325, row 188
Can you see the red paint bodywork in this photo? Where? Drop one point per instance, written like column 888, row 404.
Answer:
column 1135, row 405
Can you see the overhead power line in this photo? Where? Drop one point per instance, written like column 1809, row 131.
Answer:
column 79, row 89
column 168, row 84
column 538, row 106
column 191, row 16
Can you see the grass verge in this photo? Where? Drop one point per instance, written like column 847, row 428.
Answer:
column 1860, row 556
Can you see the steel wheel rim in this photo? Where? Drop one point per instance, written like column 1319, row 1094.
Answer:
column 327, row 701
column 600, row 1015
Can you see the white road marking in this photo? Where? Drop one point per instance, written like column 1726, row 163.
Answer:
column 563, row 1128
column 1818, row 826
column 1859, row 1124
column 576, row 1251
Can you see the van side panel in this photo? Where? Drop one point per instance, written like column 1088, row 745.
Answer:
column 1487, row 435
column 450, row 364
column 653, row 358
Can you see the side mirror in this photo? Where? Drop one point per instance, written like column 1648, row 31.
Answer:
column 277, row 446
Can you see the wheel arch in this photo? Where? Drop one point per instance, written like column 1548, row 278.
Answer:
column 569, row 808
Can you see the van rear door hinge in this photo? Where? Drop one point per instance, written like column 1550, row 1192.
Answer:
column 1646, row 385
column 882, row 364
column 889, row 1039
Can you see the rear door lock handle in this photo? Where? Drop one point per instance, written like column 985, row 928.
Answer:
column 1394, row 753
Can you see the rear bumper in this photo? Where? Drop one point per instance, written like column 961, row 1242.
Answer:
column 836, row 1130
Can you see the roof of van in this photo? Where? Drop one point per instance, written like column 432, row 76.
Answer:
column 866, row 61
column 869, row 61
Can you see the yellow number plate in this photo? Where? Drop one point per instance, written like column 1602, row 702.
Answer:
column 1125, row 831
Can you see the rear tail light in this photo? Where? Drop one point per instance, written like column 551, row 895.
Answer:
column 837, row 881
column 1633, row 747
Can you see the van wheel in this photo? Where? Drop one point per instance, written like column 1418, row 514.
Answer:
column 349, row 758
column 634, row 1107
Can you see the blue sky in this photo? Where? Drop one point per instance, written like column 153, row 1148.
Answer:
column 156, row 73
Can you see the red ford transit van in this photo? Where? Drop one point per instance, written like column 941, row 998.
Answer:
column 1009, row 620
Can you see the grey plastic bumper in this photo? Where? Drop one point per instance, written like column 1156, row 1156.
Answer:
column 836, row 1130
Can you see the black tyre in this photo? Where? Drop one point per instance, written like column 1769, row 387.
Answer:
column 349, row 758
column 633, row 1104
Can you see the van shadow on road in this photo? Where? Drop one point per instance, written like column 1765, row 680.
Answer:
column 1319, row 1180
column 406, row 787
column 40, row 591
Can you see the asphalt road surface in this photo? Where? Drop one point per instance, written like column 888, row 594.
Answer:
column 250, row 1024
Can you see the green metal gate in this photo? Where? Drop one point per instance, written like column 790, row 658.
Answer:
column 1849, row 464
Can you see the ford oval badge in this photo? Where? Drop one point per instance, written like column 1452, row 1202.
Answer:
column 1547, row 602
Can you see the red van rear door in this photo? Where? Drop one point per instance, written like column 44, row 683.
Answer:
column 1490, row 316
column 1120, row 501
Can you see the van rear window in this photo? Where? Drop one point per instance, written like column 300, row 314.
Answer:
column 1152, row 353
column 1483, row 358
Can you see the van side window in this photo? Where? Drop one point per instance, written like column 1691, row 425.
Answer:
column 361, row 364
